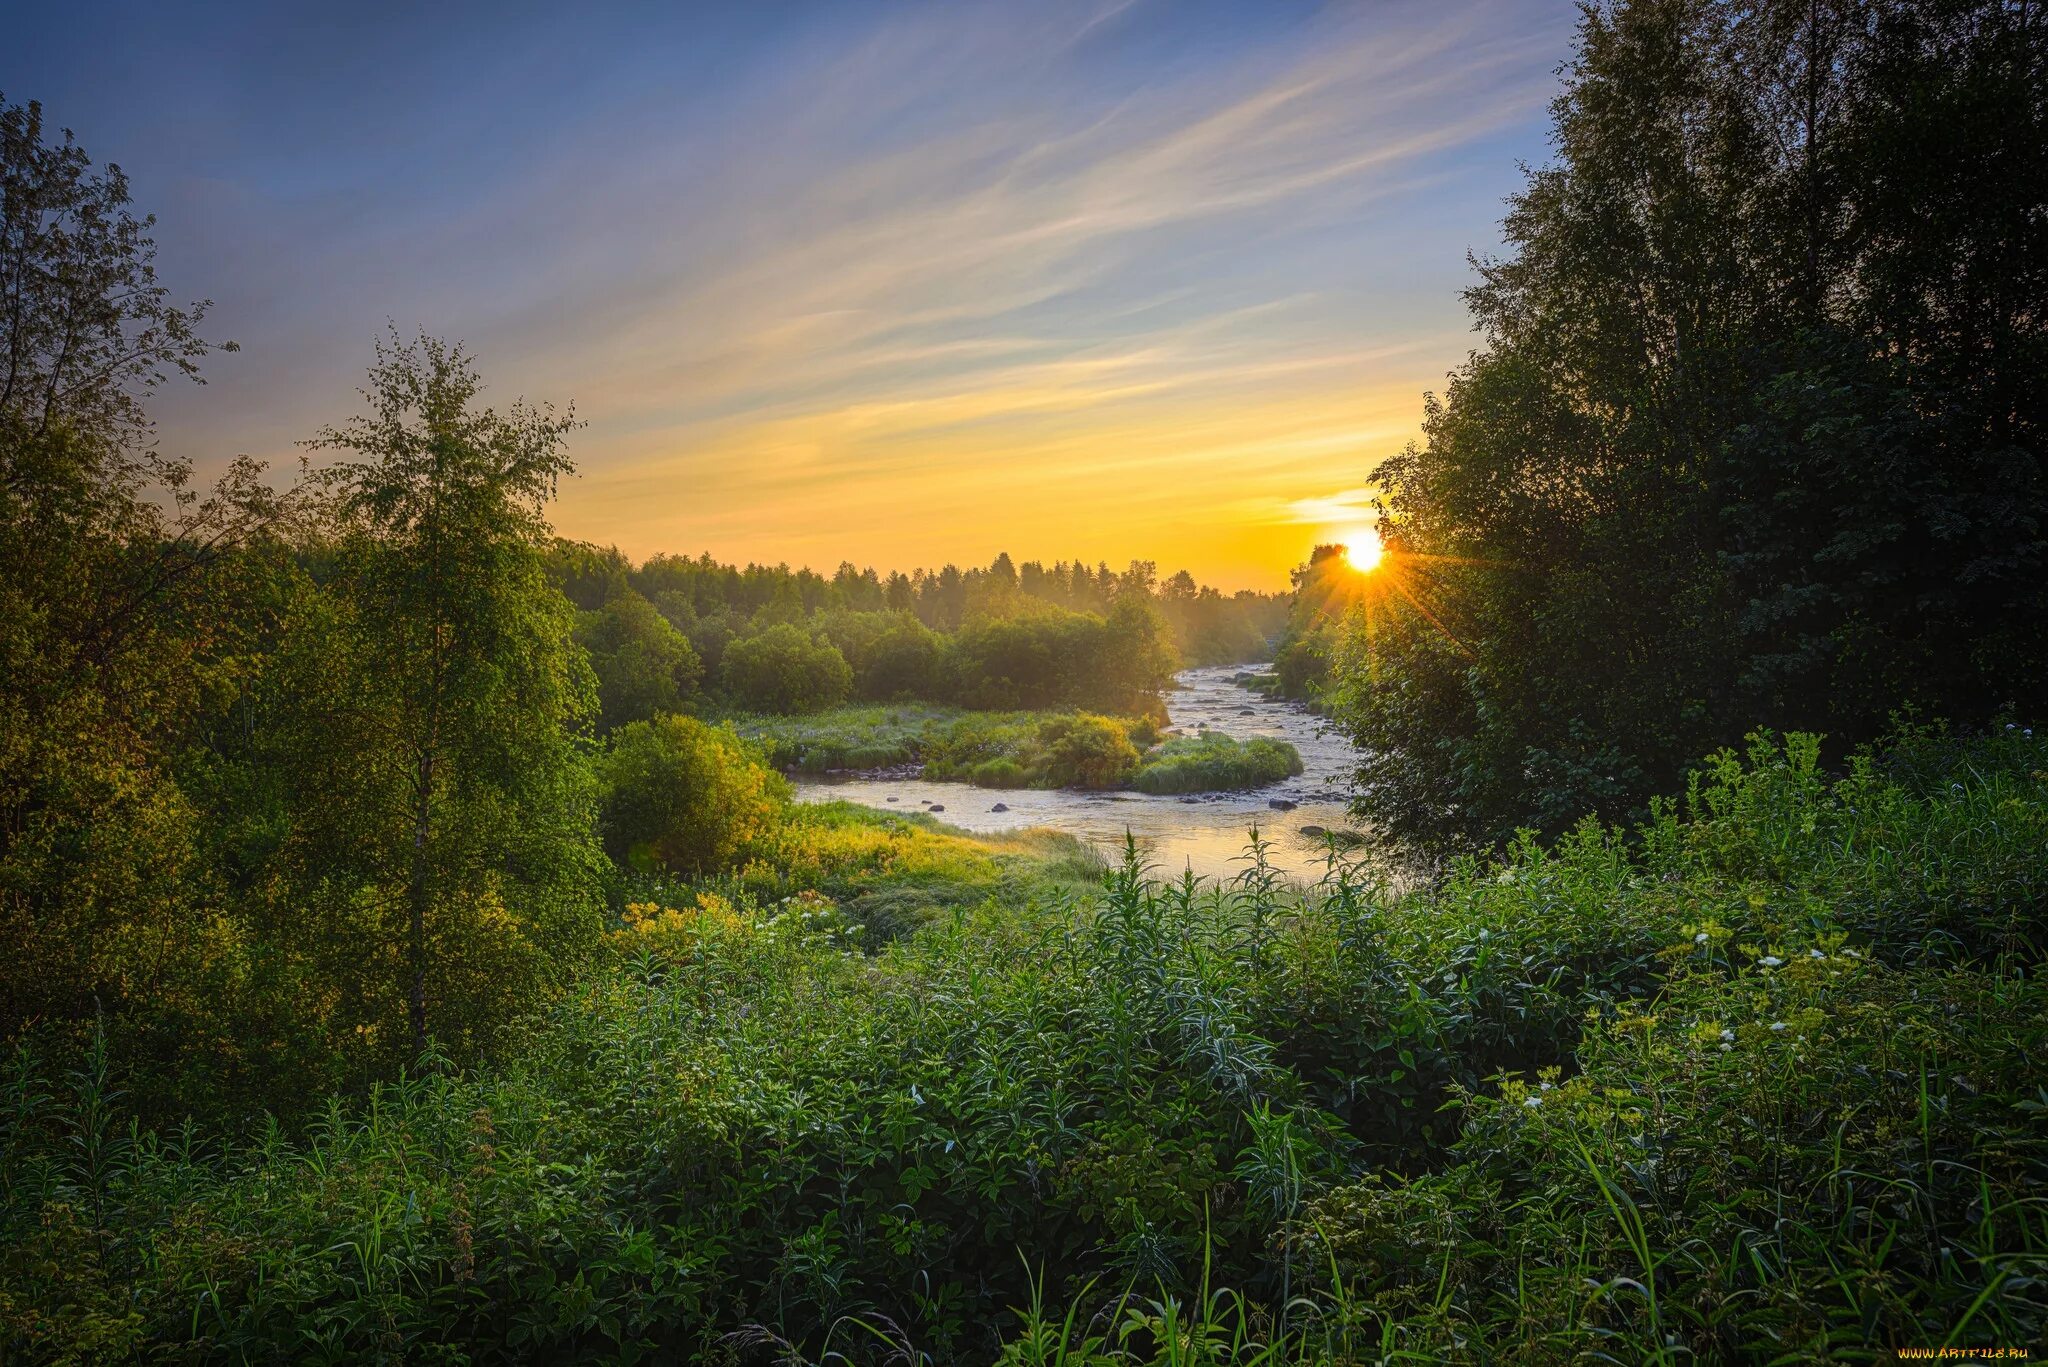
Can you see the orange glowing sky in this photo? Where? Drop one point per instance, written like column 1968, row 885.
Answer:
column 901, row 283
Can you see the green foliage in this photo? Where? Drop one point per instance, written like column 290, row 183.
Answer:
column 1756, row 431
column 1082, row 751
column 1308, row 650
column 1215, row 762
column 684, row 797
column 1224, row 1122
column 644, row 666
column 781, row 668
column 1020, row 749
column 437, row 800
column 133, row 609
column 1046, row 658
column 1204, row 626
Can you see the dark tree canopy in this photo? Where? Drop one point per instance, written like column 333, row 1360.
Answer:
column 1756, row 431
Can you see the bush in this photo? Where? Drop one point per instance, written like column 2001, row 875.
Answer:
column 783, row 669
column 999, row 773
column 1082, row 751
column 1787, row 1020
column 1215, row 762
column 685, row 797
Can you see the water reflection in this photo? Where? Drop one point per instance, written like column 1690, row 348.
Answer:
column 1206, row 833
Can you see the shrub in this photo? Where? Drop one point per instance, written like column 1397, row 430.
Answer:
column 783, row 669
column 1083, row 751
column 685, row 797
column 999, row 773
column 1161, row 1091
column 1213, row 763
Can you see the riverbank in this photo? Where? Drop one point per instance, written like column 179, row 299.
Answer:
column 1053, row 748
column 1175, row 831
column 1512, row 1116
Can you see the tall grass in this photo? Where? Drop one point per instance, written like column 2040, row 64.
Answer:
column 1758, row 1083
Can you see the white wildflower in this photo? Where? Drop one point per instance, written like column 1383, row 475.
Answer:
column 1777, row 1027
column 1727, row 1034
column 1770, row 961
column 1700, row 938
column 1533, row 1102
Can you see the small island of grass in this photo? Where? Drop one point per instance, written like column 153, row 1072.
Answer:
column 1028, row 749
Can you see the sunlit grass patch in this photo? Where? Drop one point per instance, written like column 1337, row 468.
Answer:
column 1215, row 762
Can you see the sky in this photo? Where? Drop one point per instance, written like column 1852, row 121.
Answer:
column 896, row 283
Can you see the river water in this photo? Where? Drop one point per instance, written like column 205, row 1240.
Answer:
column 1206, row 832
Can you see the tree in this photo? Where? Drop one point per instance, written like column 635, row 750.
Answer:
column 1756, row 432
column 451, row 787
column 685, row 797
column 782, row 669
column 644, row 666
column 111, row 633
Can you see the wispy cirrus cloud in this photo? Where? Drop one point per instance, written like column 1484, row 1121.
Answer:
column 897, row 283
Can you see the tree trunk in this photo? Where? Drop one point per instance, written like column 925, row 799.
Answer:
column 417, row 900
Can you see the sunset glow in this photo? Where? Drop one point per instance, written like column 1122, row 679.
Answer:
column 1362, row 549
column 833, row 282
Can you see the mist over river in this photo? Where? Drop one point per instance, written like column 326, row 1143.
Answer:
column 1206, row 832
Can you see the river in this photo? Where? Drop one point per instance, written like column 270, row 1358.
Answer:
column 1205, row 832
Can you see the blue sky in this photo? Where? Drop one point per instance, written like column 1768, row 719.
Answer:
column 899, row 283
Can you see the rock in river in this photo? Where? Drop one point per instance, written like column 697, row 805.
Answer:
column 936, row 807
column 1281, row 804
column 1000, row 807
column 1314, row 832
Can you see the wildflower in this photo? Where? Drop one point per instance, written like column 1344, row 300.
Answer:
column 1700, row 938
column 916, row 1097
column 1777, row 1027
column 1533, row 1102
column 1726, row 1047
column 1770, row 961
column 1815, row 954
column 1727, row 1034
column 1548, row 1085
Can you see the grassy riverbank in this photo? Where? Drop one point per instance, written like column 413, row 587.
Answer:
column 1044, row 749
column 1759, row 1081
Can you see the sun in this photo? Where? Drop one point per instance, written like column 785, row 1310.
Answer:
column 1362, row 549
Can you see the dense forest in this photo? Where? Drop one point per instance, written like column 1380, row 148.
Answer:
column 414, row 952
column 769, row 639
